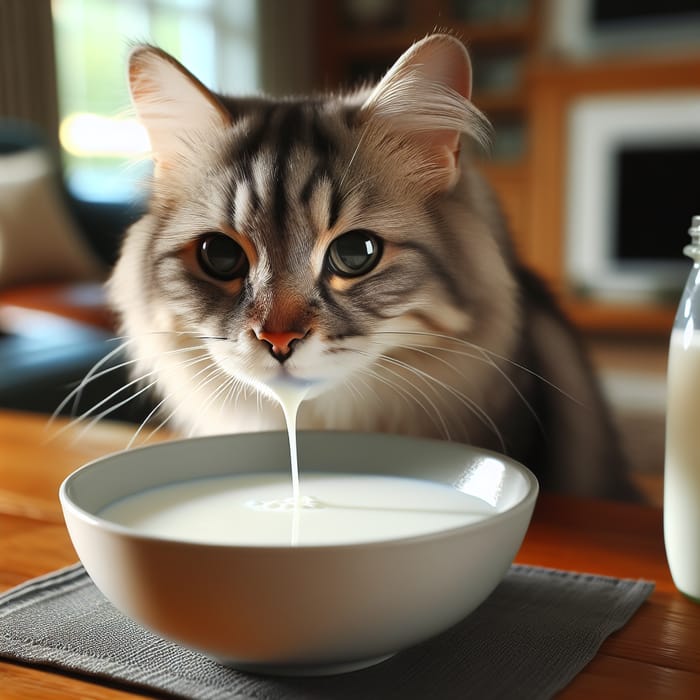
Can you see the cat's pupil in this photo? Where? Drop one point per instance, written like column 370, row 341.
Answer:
column 221, row 257
column 354, row 253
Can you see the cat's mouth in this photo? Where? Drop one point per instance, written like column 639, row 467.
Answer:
column 287, row 387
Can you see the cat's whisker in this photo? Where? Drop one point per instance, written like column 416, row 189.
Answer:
column 358, row 186
column 215, row 374
column 481, row 357
column 92, row 375
column 77, row 391
column 75, row 421
column 436, row 415
column 86, row 379
column 352, row 157
column 153, row 411
column 70, row 425
column 145, row 422
column 466, row 401
column 528, row 406
column 355, row 392
column 490, row 353
column 162, row 423
column 403, row 394
column 111, row 409
column 175, row 410
column 234, row 386
column 196, row 335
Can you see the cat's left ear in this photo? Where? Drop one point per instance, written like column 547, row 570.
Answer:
column 170, row 103
column 425, row 96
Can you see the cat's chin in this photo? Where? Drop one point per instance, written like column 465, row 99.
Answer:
column 287, row 383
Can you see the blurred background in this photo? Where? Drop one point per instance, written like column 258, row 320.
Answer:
column 596, row 154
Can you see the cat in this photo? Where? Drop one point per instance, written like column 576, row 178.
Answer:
column 349, row 241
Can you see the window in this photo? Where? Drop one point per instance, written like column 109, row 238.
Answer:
column 103, row 145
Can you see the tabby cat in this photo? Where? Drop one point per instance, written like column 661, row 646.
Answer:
column 348, row 241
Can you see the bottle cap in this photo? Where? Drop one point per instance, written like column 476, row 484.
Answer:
column 692, row 250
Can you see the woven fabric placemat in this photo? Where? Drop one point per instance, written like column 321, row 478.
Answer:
column 529, row 639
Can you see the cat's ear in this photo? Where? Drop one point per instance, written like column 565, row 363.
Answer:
column 426, row 96
column 170, row 103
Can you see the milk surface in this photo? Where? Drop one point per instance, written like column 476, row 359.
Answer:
column 334, row 509
column 276, row 510
column 682, row 462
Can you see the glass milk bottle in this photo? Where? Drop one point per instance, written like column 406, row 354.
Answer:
column 682, row 460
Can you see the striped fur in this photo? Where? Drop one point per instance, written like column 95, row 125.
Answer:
column 442, row 338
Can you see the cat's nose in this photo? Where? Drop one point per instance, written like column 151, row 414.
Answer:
column 280, row 342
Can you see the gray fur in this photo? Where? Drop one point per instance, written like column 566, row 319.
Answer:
column 447, row 337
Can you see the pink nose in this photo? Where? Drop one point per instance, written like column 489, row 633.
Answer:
column 280, row 343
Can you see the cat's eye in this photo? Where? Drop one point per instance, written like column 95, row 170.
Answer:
column 221, row 257
column 354, row 253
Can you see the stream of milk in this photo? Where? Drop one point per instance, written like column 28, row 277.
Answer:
column 255, row 509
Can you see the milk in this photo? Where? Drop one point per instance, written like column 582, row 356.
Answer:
column 260, row 509
column 254, row 509
column 682, row 461
column 289, row 393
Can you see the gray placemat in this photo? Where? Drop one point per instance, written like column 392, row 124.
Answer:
column 537, row 630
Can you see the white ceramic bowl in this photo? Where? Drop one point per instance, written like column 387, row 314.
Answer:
column 305, row 609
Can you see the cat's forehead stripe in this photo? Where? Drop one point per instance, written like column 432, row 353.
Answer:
column 263, row 156
column 248, row 146
column 291, row 129
column 243, row 205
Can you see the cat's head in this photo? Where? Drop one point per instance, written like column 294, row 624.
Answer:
column 303, row 237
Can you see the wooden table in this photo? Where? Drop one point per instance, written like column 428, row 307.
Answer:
column 656, row 655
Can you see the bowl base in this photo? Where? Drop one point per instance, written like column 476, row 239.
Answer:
column 330, row 669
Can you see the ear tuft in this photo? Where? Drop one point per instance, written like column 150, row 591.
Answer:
column 425, row 95
column 170, row 102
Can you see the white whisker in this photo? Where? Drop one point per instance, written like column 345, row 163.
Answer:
column 111, row 409
column 469, row 403
column 78, row 390
column 114, row 394
column 145, row 421
column 490, row 353
column 172, row 413
column 481, row 357
column 216, row 373
column 436, row 411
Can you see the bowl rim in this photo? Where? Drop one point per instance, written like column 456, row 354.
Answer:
column 526, row 503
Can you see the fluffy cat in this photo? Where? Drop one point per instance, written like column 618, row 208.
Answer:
column 349, row 241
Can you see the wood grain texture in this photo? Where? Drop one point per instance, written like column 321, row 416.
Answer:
column 656, row 655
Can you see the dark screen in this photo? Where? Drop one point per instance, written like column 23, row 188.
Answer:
column 658, row 191
column 606, row 12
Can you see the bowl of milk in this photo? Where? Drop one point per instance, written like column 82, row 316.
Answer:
column 383, row 542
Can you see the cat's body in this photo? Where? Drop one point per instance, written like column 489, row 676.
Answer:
column 348, row 242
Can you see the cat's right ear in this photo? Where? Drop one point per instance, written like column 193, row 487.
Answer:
column 170, row 103
column 425, row 97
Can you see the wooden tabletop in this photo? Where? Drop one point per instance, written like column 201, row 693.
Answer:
column 656, row 655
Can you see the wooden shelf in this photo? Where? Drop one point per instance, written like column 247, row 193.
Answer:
column 354, row 42
column 344, row 47
column 495, row 35
column 362, row 44
column 604, row 317
column 500, row 103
